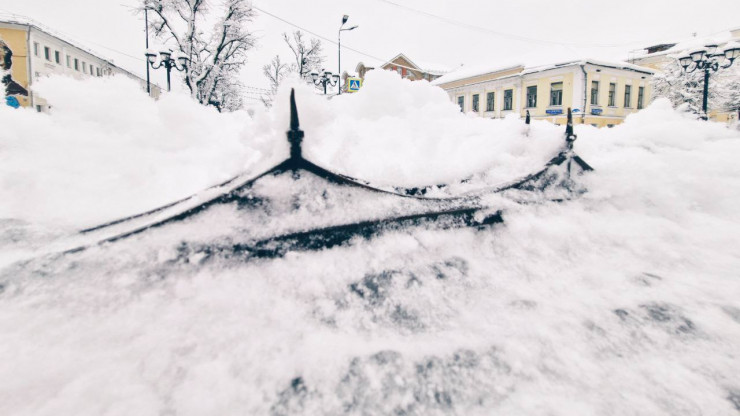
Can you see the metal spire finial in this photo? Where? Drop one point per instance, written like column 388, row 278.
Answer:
column 295, row 134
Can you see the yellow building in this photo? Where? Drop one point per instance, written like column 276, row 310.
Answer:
column 599, row 93
column 660, row 55
column 406, row 68
column 30, row 52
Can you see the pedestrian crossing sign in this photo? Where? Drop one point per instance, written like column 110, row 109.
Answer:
column 354, row 84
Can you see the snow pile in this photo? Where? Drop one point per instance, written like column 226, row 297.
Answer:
column 107, row 150
column 624, row 301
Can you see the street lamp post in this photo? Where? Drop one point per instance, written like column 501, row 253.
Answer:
column 339, row 42
column 709, row 60
column 166, row 60
column 324, row 79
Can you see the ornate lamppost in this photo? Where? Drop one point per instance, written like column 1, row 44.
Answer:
column 339, row 42
column 324, row 79
column 165, row 59
column 709, row 59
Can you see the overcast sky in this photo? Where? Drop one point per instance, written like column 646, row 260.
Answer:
column 447, row 32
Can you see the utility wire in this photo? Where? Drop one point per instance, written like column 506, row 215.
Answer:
column 319, row 36
column 502, row 34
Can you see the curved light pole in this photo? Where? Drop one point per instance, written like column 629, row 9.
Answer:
column 324, row 79
column 166, row 60
column 339, row 38
column 708, row 60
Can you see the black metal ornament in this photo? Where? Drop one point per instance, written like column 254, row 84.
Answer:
column 414, row 208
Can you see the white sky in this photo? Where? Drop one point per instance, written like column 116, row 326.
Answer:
column 490, row 29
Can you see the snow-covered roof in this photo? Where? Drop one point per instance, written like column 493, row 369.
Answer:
column 427, row 67
column 687, row 45
column 466, row 72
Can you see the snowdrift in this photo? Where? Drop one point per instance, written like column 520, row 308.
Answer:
column 622, row 301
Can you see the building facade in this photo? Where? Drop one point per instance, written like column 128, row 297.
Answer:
column 599, row 93
column 406, row 68
column 31, row 52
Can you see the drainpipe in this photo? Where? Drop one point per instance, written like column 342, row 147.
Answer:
column 29, row 54
column 585, row 93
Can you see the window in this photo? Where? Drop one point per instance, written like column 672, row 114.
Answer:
column 490, row 101
column 556, row 93
column 97, row 70
column 77, row 64
column 35, row 49
column 627, row 96
column 58, row 57
column 532, row 96
column 38, row 108
column 594, row 92
column 92, row 70
column 508, row 99
column 612, row 94
column 476, row 102
column 84, row 66
column 610, row 125
column 69, row 61
column 640, row 96
column 461, row 103
column 47, row 53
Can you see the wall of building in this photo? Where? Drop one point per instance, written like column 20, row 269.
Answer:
column 15, row 39
column 38, row 54
column 572, row 78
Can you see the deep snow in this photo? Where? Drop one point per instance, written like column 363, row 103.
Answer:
column 622, row 301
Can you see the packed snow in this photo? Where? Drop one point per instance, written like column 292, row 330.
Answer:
column 623, row 300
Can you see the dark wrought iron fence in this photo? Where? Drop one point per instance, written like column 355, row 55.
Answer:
column 251, row 202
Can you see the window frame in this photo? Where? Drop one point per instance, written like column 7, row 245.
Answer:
column 594, row 92
column 556, row 100
column 461, row 103
column 47, row 53
column 531, row 97
column 58, row 57
column 628, row 96
column 509, row 99
column 640, row 97
column 612, row 100
column 36, row 49
column 491, row 101
column 476, row 103
column 77, row 65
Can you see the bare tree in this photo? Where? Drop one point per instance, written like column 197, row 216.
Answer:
column 275, row 71
column 307, row 53
column 215, row 55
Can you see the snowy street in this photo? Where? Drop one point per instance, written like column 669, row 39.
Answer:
column 622, row 299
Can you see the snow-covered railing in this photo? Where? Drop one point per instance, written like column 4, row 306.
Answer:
column 298, row 205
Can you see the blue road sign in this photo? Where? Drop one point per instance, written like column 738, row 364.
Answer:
column 12, row 102
column 354, row 84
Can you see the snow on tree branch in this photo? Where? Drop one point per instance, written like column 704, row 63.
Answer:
column 215, row 55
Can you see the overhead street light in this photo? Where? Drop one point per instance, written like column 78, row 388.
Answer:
column 339, row 38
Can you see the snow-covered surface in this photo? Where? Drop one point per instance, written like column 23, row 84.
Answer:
column 688, row 45
column 622, row 301
column 428, row 67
